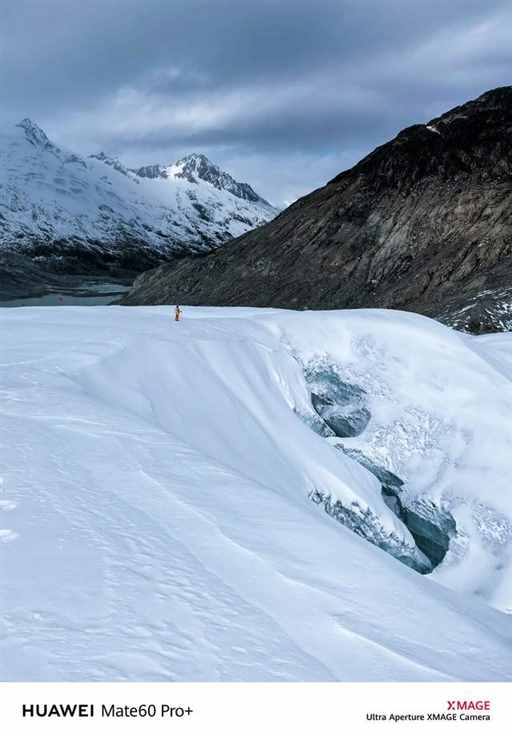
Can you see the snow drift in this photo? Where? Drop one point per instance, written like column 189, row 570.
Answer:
column 161, row 516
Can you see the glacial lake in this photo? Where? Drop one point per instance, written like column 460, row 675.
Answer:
column 95, row 293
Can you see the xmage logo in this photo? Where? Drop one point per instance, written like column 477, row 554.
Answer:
column 469, row 705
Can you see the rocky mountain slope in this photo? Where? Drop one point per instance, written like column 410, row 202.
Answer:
column 75, row 214
column 422, row 223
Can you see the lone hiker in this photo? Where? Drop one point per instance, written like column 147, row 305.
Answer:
column 178, row 313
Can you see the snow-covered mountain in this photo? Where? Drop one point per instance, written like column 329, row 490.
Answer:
column 195, row 168
column 253, row 495
column 421, row 223
column 53, row 202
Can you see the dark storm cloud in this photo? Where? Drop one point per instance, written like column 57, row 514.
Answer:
column 285, row 92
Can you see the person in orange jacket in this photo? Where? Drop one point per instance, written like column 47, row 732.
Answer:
column 178, row 313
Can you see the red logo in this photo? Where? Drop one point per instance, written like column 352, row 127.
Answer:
column 469, row 705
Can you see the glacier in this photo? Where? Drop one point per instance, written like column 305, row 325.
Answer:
column 158, row 518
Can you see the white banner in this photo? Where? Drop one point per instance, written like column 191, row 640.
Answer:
column 247, row 711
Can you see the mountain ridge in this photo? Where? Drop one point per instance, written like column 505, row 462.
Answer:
column 420, row 223
column 94, row 214
column 194, row 167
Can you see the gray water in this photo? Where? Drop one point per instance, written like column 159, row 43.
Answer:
column 86, row 294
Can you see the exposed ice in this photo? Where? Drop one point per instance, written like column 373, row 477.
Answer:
column 161, row 474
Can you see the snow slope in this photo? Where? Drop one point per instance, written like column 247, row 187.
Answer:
column 49, row 195
column 156, row 520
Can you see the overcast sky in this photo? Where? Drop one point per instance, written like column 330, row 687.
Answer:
column 282, row 93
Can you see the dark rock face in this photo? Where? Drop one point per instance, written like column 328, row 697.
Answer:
column 17, row 270
column 23, row 276
column 423, row 223
column 111, row 161
column 482, row 313
column 198, row 166
column 35, row 135
column 152, row 171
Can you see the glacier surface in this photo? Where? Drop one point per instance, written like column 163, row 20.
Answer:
column 156, row 511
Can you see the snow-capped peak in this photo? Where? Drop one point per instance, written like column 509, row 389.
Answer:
column 34, row 134
column 50, row 196
column 195, row 167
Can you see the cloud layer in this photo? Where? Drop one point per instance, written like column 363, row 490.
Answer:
column 283, row 93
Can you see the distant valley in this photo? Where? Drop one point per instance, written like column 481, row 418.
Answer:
column 423, row 223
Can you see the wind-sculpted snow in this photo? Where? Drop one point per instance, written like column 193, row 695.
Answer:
column 156, row 511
